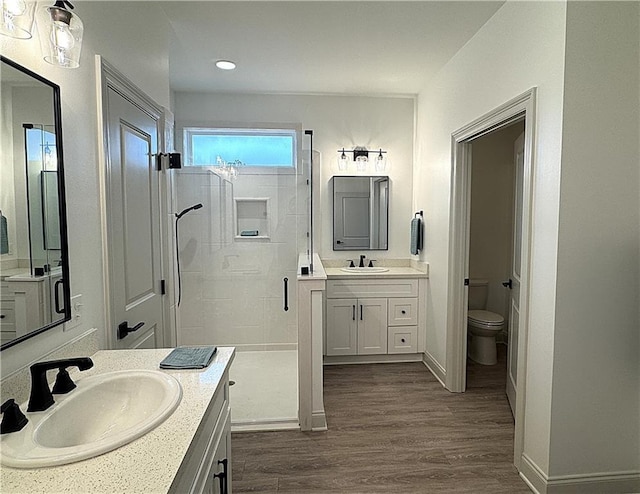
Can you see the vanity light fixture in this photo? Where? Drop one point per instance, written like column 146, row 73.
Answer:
column 361, row 157
column 17, row 18
column 225, row 64
column 60, row 33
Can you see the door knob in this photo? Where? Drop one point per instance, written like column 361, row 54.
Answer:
column 508, row 284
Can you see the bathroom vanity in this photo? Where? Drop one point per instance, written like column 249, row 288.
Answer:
column 371, row 314
column 190, row 452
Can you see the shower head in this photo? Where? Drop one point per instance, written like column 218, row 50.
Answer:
column 187, row 210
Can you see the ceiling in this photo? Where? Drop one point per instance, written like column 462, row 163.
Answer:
column 336, row 47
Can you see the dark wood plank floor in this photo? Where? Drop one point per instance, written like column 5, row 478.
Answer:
column 392, row 428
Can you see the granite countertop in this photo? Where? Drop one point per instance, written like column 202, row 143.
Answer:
column 393, row 272
column 148, row 464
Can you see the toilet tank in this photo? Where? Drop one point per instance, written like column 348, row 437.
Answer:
column 478, row 291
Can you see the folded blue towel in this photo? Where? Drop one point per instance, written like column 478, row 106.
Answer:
column 4, row 235
column 185, row 357
column 416, row 235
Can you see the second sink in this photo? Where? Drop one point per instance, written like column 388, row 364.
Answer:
column 373, row 269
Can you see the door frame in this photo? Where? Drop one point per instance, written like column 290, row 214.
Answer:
column 523, row 106
column 108, row 77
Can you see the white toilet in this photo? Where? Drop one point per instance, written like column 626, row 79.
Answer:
column 482, row 325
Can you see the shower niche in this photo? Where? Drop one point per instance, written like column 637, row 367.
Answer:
column 252, row 218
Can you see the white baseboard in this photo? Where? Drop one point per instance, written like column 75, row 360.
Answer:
column 593, row 483
column 372, row 359
column 436, row 369
column 265, row 425
column 318, row 421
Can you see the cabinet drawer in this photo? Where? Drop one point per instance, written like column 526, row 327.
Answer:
column 403, row 339
column 403, row 311
column 7, row 315
column 372, row 288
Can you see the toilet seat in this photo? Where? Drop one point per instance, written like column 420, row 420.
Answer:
column 485, row 318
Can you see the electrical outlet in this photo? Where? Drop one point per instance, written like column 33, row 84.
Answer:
column 76, row 312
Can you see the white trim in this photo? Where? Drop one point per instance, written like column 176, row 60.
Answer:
column 108, row 77
column 319, row 421
column 533, row 475
column 523, row 105
column 265, row 425
column 592, row 483
column 372, row 359
column 434, row 367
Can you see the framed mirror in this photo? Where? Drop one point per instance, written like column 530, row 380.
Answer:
column 34, row 267
column 360, row 213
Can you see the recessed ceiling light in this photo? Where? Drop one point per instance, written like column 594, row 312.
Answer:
column 225, row 65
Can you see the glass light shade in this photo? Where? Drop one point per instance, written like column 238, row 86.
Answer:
column 381, row 162
column 343, row 161
column 60, row 36
column 361, row 163
column 17, row 18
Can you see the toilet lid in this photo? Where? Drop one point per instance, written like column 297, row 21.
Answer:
column 485, row 317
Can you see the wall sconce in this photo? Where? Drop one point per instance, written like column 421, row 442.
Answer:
column 17, row 18
column 361, row 157
column 60, row 34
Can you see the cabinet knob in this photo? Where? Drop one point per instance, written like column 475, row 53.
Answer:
column 402, row 340
column 404, row 311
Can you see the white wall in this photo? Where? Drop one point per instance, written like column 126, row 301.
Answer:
column 142, row 54
column 491, row 228
column 596, row 379
column 337, row 122
column 521, row 46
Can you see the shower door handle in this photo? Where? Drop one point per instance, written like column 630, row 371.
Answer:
column 286, row 294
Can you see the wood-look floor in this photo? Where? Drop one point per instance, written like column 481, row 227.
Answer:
column 392, row 428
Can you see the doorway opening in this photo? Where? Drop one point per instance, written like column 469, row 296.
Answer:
column 494, row 260
column 518, row 111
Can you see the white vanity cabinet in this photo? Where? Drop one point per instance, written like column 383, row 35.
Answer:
column 208, row 459
column 371, row 316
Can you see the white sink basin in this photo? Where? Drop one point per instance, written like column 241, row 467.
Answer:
column 104, row 412
column 374, row 269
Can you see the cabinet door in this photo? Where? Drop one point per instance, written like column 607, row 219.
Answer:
column 342, row 327
column 372, row 326
column 220, row 462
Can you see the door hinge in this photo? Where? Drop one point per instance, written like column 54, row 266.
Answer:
column 171, row 160
column 466, row 282
column 163, row 287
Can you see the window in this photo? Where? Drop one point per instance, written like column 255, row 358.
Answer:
column 259, row 150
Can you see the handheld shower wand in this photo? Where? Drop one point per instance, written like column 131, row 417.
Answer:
column 187, row 210
column 178, row 216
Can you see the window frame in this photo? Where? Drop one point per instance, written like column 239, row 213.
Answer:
column 188, row 131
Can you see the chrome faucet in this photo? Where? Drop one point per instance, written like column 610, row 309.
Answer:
column 362, row 256
column 41, row 396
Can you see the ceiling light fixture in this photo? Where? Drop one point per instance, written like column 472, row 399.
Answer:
column 60, row 34
column 17, row 18
column 225, row 64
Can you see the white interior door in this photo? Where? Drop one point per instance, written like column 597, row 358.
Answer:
column 514, row 293
column 133, row 224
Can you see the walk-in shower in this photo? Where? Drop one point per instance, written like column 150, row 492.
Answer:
column 235, row 253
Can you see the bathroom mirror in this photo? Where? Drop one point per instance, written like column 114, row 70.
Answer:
column 360, row 213
column 34, row 267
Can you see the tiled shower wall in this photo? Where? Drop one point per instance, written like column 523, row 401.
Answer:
column 232, row 288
